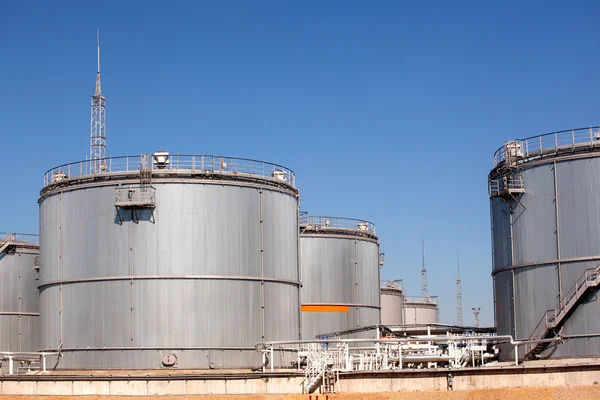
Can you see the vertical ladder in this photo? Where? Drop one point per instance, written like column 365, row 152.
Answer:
column 145, row 173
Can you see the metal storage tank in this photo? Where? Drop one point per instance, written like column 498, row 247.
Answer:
column 545, row 219
column 421, row 310
column 19, row 305
column 392, row 303
column 159, row 261
column 340, row 262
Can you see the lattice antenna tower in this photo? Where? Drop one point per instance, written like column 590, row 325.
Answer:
column 459, row 307
column 98, row 123
column 476, row 315
column 423, row 271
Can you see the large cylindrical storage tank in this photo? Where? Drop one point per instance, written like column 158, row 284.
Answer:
column 545, row 218
column 168, row 262
column 19, row 298
column 339, row 260
column 421, row 311
column 392, row 303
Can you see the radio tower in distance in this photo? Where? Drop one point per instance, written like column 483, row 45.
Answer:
column 423, row 271
column 459, row 308
column 476, row 315
column 98, row 123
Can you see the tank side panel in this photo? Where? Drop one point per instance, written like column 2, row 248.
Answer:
column 280, row 235
column 368, row 275
column 97, row 314
column 328, row 270
column 50, row 318
column 391, row 309
column 19, row 295
column 421, row 314
column 368, row 317
column 329, row 273
column 410, row 314
column 9, row 282
column 504, row 303
column 579, row 218
column 93, row 243
column 501, row 237
column 282, row 317
column 536, row 289
column 339, row 271
column 208, row 230
column 197, row 313
column 579, row 203
column 30, row 297
column 534, row 227
column 318, row 323
column 50, row 217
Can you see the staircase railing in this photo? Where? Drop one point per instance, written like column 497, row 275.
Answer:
column 553, row 318
column 6, row 242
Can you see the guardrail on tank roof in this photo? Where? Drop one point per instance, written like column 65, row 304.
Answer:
column 315, row 222
column 551, row 144
column 19, row 237
column 428, row 299
column 209, row 164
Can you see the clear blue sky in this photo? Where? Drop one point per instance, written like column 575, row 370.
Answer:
column 387, row 111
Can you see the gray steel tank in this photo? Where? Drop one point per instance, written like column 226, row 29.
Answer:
column 339, row 259
column 19, row 299
column 168, row 261
column 392, row 303
column 545, row 212
column 421, row 310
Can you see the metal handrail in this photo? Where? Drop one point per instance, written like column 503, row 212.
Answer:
column 428, row 299
column 397, row 284
column 20, row 237
column 549, row 144
column 336, row 223
column 212, row 164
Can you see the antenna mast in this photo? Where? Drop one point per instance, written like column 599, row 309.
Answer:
column 459, row 308
column 423, row 271
column 476, row 315
column 98, row 123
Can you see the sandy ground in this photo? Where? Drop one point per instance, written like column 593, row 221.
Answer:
column 560, row 393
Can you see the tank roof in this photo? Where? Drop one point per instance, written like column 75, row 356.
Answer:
column 163, row 165
column 536, row 149
column 340, row 225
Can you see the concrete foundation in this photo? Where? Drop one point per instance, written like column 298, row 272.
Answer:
column 236, row 383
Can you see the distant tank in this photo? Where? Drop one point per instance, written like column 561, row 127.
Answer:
column 162, row 261
column 421, row 310
column 340, row 262
column 392, row 303
column 19, row 299
column 545, row 208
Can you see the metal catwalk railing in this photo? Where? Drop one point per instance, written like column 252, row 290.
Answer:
column 318, row 222
column 19, row 237
column 209, row 164
column 547, row 145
